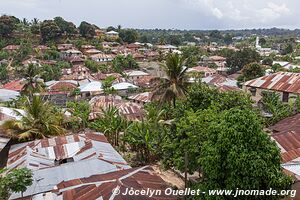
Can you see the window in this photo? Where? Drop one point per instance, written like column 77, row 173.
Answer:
column 285, row 97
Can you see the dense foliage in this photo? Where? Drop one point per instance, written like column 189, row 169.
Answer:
column 16, row 180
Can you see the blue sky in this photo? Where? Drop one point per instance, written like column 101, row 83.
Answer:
column 178, row 14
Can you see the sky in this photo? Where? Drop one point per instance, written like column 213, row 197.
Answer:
column 164, row 14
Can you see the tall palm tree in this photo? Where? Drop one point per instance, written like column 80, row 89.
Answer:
column 111, row 123
column 33, row 82
column 40, row 120
column 173, row 85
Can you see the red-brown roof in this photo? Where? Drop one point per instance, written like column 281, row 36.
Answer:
column 102, row 186
column 280, row 81
column 11, row 47
column 40, row 154
column 129, row 110
column 62, row 86
column 287, row 135
column 144, row 81
column 14, row 85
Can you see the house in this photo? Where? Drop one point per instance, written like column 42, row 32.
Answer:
column 64, row 47
column 131, row 111
column 138, row 56
column 145, row 81
column 69, row 54
column 8, row 95
column 11, row 48
column 92, row 52
column 101, row 76
column 223, row 83
column 78, row 73
column 101, row 186
column 141, row 98
column 286, row 134
column 77, row 60
column 286, row 84
column 31, row 61
column 167, row 48
column 41, row 48
column 10, row 113
column 16, row 85
column 123, row 88
column 133, row 47
column 112, row 35
column 218, row 61
column 135, row 74
column 91, row 89
column 206, row 71
column 59, row 87
column 102, row 58
column 64, row 158
column 152, row 55
column 87, row 47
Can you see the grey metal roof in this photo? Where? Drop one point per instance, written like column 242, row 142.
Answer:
column 7, row 95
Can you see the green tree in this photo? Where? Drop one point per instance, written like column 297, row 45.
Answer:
column 107, row 85
column 239, row 154
column 262, row 41
column 145, row 137
column 111, row 123
column 66, row 27
column 80, row 114
column 7, row 25
column 173, row 85
column 192, row 54
column 120, row 63
column 288, row 49
column 251, row 71
column 276, row 67
column 239, row 59
column 16, row 180
column 267, row 61
column 128, row 35
column 33, row 82
column 49, row 30
column 3, row 73
column 272, row 104
column 51, row 72
column 228, row 39
column 87, row 30
column 40, row 120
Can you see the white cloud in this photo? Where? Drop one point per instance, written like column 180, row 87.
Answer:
column 248, row 11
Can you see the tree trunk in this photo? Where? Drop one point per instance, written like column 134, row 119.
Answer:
column 174, row 102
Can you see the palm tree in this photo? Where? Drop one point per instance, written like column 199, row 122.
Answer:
column 173, row 85
column 33, row 82
column 35, row 21
column 111, row 123
column 40, row 120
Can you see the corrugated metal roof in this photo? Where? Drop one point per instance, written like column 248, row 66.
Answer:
column 142, row 97
column 123, row 86
column 280, row 81
column 94, row 86
column 202, row 69
column 130, row 110
column 101, row 186
column 287, row 136
column 90, row 152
